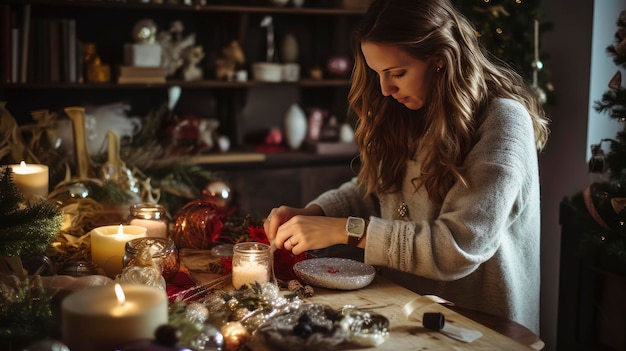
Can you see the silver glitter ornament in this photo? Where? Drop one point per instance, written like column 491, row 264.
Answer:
column 197, row 312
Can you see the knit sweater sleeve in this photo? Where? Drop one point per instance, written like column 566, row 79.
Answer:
column 347, row 200
column 475, row 220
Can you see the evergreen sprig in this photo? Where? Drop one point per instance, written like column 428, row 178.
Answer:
column 26, row 228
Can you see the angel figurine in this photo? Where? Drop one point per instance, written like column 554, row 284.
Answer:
column 174, row 44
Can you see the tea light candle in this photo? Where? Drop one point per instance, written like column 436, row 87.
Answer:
column 107, row 246
column 251, row 263
column 31, row 178
column 107, row 317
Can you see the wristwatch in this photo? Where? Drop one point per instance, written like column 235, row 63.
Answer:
column 355, row 228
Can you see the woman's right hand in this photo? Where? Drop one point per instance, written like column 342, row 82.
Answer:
column 282, row 214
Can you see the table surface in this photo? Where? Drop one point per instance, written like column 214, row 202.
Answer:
column 388, row 298
column 409, row 334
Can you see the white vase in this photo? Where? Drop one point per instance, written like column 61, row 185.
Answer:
column 295, row 127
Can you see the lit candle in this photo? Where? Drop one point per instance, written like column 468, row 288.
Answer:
column 107, row 246
column 151, row 216
column 106, row 318
column 31, row 178
column 251, row 263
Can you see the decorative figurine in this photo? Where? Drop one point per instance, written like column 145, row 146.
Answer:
column 173, row 44
column 192, row 57
column 231, row 59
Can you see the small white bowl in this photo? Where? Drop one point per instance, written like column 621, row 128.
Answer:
column 267, row 71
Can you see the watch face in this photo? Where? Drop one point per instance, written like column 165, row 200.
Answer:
column 355, row 226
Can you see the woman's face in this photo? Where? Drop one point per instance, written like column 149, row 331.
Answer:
column 405, row 78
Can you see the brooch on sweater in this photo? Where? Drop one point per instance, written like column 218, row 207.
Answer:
column 403, row 210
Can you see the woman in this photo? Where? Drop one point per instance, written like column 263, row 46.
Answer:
column 449, row 184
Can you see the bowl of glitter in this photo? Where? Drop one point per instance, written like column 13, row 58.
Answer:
column 335, row 273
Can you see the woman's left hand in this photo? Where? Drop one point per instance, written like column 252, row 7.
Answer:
column 303, row 233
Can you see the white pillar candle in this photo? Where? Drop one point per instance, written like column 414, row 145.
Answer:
column 107, row 246
column 94, row 319
column 31, row 178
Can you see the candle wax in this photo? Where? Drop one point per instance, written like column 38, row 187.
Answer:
column 31, row 178
column 246, row 273
column 107, row 246
column 155, row 228
column 92, row 319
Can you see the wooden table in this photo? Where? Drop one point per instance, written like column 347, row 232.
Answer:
column 389, row 298
column 409, row 334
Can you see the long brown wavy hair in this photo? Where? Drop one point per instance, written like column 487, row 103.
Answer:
column 388, row 134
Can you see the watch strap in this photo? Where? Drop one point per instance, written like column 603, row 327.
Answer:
column 353, row 240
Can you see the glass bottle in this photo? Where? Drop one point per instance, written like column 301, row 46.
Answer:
column 163, row 250
column 152, row 216
column 252, row 263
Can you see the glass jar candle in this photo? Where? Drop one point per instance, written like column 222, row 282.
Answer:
column 151, row 216
column 163, row 250
column 252, row 262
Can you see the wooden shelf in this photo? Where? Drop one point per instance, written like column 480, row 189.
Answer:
column 291, row 159
column 197, row 8
column 306, row 83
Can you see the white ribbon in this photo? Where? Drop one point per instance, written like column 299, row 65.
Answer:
column 461, row 334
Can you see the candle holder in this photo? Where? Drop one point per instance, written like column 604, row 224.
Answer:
column 164, row 254
column 152, row 216
column 252, row 263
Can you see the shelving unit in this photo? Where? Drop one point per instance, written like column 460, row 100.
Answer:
column 322, row 29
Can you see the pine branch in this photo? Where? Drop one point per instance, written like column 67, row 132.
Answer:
column 25, row 228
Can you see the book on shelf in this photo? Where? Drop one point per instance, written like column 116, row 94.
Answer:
column 135, row 71
column 5, row 43
column 130, row 80
column 25, row 32
column 134, row 74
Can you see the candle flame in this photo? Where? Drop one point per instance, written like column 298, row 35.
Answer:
column 22, row 164
column 121, row 298
column 120, row 231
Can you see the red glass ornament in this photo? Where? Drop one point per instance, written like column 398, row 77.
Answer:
column 197, row 225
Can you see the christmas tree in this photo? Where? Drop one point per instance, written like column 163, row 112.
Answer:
column 511, row 30
column 614, row 104
column 602, row 206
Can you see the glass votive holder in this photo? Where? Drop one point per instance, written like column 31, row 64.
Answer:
column 252, row 263
column 151, row 216
column 163, row 251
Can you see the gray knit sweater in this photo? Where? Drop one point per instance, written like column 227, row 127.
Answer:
column 481, row 250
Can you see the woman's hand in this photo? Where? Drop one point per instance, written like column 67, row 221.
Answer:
column 282, row 214
column 302, row 233
column 303, row 229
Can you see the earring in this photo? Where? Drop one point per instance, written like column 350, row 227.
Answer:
column 438, row 69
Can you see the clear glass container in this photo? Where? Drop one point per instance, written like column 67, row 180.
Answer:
column 151, row 216
column 163, row 250
column 252, row 263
